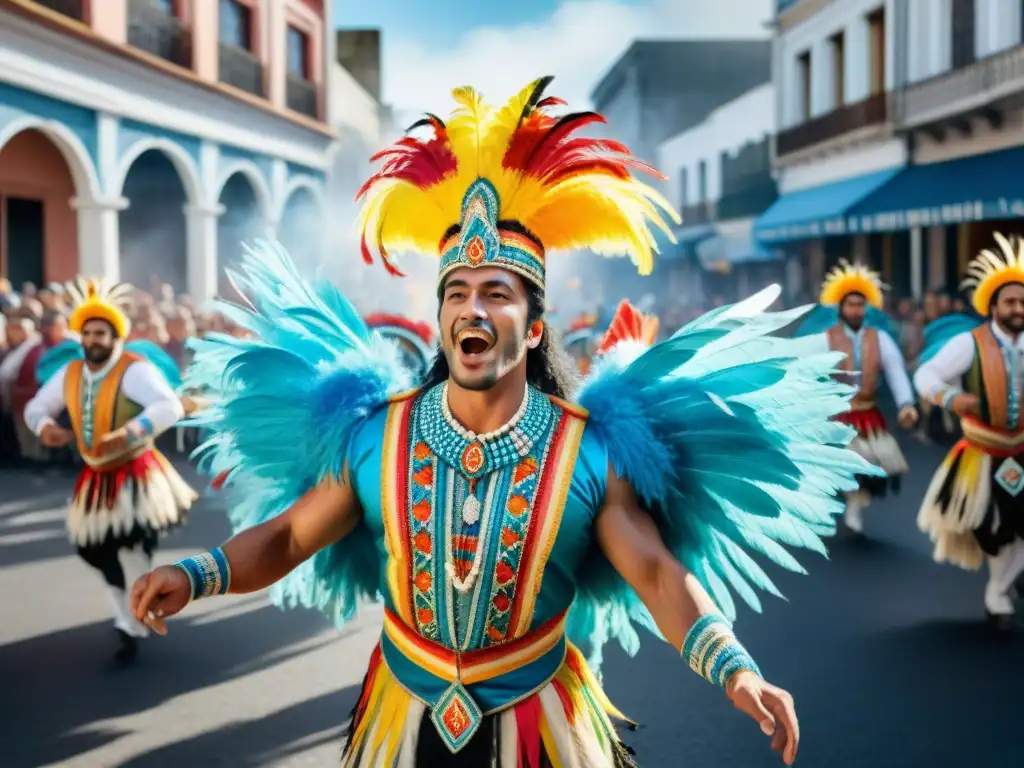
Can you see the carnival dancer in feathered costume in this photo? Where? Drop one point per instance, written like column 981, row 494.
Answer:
column 415, row 340
column 502, row 524
column 119, row 399
column 974, row 509
column 850, row 315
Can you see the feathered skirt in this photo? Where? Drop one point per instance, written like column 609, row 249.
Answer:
column 567, row 723
column 974, row 505
column 875, row 444
column 128, row 503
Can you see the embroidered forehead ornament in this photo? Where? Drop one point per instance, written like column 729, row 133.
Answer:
column 501, row 187
column 990, row 271
column 846, row 279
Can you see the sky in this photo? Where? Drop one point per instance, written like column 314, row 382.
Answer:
column 432, row 46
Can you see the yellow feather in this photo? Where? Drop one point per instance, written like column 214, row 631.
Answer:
column 465, row 129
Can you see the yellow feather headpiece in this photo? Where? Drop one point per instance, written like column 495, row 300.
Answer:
column 99, row 299
column 502, row 186
column 846, row 279
column 991, row 271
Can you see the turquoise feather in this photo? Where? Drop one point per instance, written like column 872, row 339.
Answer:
column 54, row 359
column 939, row 332
column 726, row 434
column 285, row 405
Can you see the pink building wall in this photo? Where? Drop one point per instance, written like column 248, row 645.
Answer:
column 32, row 167
column 270, row 21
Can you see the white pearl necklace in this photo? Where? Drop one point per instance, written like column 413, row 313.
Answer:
column 469, row 435
column 471, row 507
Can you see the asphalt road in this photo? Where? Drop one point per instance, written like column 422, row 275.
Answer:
column 886, row 654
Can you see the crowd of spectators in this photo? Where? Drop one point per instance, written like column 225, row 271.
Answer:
column 33, row 319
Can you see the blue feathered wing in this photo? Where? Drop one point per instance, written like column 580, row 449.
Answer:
column 725, row 432
column 938, row 332
column 71, row 349
column 283, row 406
column 821, row 317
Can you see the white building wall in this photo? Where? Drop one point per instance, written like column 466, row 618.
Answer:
column 746, row 119
column 997, row 27
column 855, row 161
column 850, row 18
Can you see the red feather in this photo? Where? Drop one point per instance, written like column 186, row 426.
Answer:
column 379, row 319
column 422, row 163
column 629, row 324
column 365, row 249
column 547, row 148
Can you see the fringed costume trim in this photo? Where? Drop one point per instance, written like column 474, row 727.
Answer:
column 876, row 445
column 969, row 509
column 145, row 494
column 565, row 724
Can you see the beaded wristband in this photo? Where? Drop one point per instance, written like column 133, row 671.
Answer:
column 713, row 652
column 947, row 397
column 209, row 573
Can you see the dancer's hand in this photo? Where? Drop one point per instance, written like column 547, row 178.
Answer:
column 113, row 442
column 54, row 436
column 965, row 404
column 159, row 594
column 771, row 707
column 907, row 417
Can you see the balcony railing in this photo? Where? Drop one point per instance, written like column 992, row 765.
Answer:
column 699, row 213
column 157, row 32
column 960, row 91
column 871, row 111
column 747, row 199
column 73, row 9
column 302, row 96
column 241, row 68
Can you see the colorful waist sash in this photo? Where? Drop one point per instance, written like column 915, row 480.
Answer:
column 461, row 689
column 995, row 442
column 108, row 463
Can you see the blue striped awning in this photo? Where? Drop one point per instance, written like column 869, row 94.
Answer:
column 817, row 211
column 975, row 188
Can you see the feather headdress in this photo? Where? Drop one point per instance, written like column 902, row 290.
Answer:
column 991, row 271
column 386, row 321
column 847, row 279
column 99, row 299
column 502, row 186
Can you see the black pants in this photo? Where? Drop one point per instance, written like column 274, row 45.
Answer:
column 103, row 557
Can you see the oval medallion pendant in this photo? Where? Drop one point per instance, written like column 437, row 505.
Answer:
column 473, row 458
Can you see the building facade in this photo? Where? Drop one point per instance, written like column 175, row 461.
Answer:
column 834, row 70
column 656, row 90
column 722, row 179
column 145, row 139
column 960, row 109
column 917, row 171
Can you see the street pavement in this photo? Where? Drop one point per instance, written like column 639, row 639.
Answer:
column 887, row 655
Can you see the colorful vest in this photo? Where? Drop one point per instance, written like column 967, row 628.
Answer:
column 98, row 407
column 991, row 381
column 539, row 491
column 866, row 360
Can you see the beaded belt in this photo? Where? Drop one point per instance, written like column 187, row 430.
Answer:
column 996, row 442
column 460, row 688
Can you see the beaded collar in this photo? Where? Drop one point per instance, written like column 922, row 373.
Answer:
column 478, row 456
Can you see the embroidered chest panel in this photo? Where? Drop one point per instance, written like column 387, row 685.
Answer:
column 995, row 377
column 467, row 574
column 862, row 356
column 98, row 406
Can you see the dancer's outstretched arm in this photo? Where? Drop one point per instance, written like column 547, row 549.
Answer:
column 255, row 558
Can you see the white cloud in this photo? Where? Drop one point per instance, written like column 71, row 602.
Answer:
column 576, row 44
